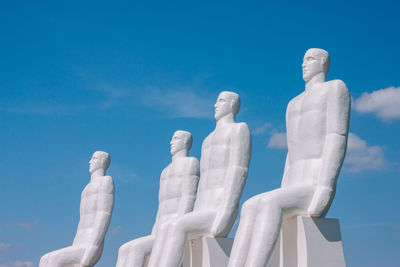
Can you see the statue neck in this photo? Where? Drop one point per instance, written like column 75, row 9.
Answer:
column 180, row 154
column 98, row 172
column 228, row 118
column 319, row 78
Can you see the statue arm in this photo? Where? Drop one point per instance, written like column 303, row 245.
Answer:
column 189, row 186
column 286, row 168
column 155, row 226
column 338, row 114
column 105, row 204
column 285, row 171
column 235, row 177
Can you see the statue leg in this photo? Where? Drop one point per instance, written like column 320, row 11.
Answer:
column 244, row 232
column 272, row 206
column 173, row 246
column 133, row 253
column 59, row 258
column 158, row 243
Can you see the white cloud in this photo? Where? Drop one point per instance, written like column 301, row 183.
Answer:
column 27, row 225
column 180, row 104
column 262, row 129
column 361, row 157
column 384, row 103
column 115, row 230
column 277, row 140
column 18, row 264
column 4, row 246
column 124, row 174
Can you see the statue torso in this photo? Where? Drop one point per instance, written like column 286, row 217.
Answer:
column 96, row 192
column 171, row 183
column 214, row 161
column 306, row 125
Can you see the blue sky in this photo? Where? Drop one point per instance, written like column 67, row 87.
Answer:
column 77, row 77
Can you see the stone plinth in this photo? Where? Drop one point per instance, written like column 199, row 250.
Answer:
column 207, row 252
column 309, row 242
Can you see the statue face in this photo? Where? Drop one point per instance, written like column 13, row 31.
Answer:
column 313, row 64
column 97, row 162
column 223, row 106
column 177, row 143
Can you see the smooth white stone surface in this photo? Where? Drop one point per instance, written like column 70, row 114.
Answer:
column 178, row 186
column 207, row 252
column 317, row 122
column 224, row 163
column 96, row 207
column 309, row 242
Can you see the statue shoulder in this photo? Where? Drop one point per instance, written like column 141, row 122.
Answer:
column 189, row 162
column 338, row 89
column 337, row 85
column 192, row 160
column 242, row 129
column 108, row 184
column 242, row 126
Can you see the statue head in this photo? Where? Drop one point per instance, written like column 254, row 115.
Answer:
column 181, row 140
column 227, row 103
column 100, row 160
column 315, row 61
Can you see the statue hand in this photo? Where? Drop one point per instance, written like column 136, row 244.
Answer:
column 89, row 256
column 320, row 201
column 216, row 225
column 221, row 221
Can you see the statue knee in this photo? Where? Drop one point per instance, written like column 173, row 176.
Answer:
column 176, row 226
column 271, row 205
column 248, row 206
column 123, row 250
column 163, row 228
column 45, row 260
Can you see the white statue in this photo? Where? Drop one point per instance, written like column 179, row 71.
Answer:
column 317, row 123
column 177, row 194
column 97, row 203
column 224, row 163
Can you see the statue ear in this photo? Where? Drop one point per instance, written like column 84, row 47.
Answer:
column 323, row 60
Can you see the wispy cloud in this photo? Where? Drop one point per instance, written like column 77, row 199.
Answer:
column 262, row 129
column 184, row 103
column 384, row 103
column 27, row 225
column 123, row 174
column 49, row 108
column 277, row 140
column 4, row 246
column 18, row 264
column 113, row 95
column 115, row 230
column 361, row 157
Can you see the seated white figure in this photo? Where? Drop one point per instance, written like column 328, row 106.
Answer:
column 96, row 207
column 177, row 194
column 224, row 163
column 317, row 123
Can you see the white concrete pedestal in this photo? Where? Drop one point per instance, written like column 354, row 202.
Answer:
column 309, row 242
column 207, row 252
